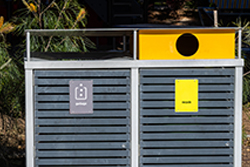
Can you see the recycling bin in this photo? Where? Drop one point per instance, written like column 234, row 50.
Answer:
column 175, row 100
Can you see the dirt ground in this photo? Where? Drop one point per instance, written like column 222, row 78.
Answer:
column 12, row 142
column 182, row 17
column 246, row 136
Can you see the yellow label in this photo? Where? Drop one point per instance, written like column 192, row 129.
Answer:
column 186, row 95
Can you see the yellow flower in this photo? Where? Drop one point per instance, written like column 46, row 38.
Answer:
column 1, row 21
column 6, row 28
column 81, row 14
column 32, row 8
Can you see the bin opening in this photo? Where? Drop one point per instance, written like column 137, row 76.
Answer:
column 187, row 44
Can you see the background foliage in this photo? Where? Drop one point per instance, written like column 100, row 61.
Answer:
column 68, row 14
column 245, row 55
column 11, row 78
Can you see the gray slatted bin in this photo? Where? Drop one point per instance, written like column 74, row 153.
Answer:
column 202, row 139
column 98, row 139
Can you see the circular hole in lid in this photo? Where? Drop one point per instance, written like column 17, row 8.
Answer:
column 187, row 44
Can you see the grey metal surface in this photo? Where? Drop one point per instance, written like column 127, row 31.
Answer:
column 195, row 165
column 135, row 117
column 133, row 64
column 98, row 139
column 82, row 145
column 135, row 43
column 80, row 161
column 184, row 144
column 28, row 46
column 29, row 118
column 238, row 116
column 104, row 89
column 239, row 43
column 203, row 139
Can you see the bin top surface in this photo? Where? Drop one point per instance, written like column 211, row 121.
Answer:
column 110, row 31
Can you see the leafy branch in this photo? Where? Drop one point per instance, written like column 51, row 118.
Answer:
column 64, row 14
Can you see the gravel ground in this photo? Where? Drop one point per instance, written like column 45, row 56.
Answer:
column 246, row 133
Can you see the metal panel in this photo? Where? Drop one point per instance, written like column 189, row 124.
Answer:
column 135, row 117
column 81, row 73
column 75, row 121
column 238, row 116
column 85, row 161
column 66, row 114
column 186, row 144
column 96, row 98
column 98, row 139
column 188, row 160
column 194, row 165
column 97, row 81
column 58, row 105
column 186, row 119
column 65, row 89
column 184, row 128
column 114, row 64
column 202, row 112
column 29, row 120
column 170, row 88
column 187, row 151
column 203, row 139
column 82, row 145
column 82, row 130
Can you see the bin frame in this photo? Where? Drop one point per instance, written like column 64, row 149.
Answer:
column 134, row 65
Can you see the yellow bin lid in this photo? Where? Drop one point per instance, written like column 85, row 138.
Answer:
column 176, row 44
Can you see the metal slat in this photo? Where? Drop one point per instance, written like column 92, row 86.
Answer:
column 201, row 112
column 97, row 113
column 93, row 121
column 193, row 165
column 186, row 144
column 74, row 161
column 102, row 129
column 54, row 106
column 83, row 145
column 178, row 136
column 165, row 104
column 194, row 159
column 180, row 128
column 58, row 81
column 100, row 137
column 188, row 72
column 193, row 152
column 181, row 120
column 88, row 153
column 202, row 80
column 171, row 88
column 104, row 89
column 82, row 73
column 201, row 96
column 65, row 98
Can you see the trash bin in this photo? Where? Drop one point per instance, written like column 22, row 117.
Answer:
column 165, row 105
